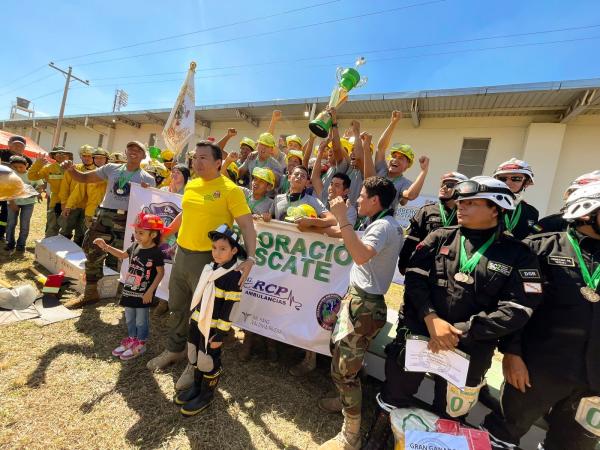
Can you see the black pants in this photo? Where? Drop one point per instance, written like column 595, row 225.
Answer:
column 400, row 386
column 3, row 218
column 547, row 391
column 196, row 344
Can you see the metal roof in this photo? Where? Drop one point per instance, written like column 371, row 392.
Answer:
column 558, row 100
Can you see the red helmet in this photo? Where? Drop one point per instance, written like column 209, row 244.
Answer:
column 150, row 222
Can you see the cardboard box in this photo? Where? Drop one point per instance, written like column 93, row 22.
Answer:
column 58, row 253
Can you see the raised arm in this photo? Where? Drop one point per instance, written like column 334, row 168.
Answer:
column 358, row 146
column 81, row 177
column 231, row 132
column 414, row 189
column 307, row 149
column 36, row 171
column 386, row 137
column 338, row 152
column 246, row 225
column 231, row 157
column 315, row 177
column 369, row 170
column 275, row 117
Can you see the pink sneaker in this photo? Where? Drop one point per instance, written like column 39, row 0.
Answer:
column 125, row 344
column 138, row 348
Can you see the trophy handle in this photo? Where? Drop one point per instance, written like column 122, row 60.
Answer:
column 338, row 73
column 362, row 82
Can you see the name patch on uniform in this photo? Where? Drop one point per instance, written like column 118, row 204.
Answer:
column 564, row 261
column 530, row 274
column 532, row 288
column 499, row 267
column 444, row 251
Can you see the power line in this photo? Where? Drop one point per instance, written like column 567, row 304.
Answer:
column 26, row 75
column 45, row 77
column 265, row 33
column 219, row 27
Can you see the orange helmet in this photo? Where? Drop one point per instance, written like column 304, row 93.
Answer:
column 149, row 222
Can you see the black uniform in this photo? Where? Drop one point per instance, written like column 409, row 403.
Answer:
column 527, row 220
column 4, row 159
column 427, row 219
column 560, row 346
column 553, row 222
column 496, row 304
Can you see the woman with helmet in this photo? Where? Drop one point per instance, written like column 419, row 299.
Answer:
column 518, row 175
column 556, row 222
column 262, row 158
column 401, row 159
column 552, row 364
column 72, row 220
column 431, row 217
column 465, row 288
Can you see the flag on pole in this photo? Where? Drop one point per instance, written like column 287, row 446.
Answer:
column 181, row 123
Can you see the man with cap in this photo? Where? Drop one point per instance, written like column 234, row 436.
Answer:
column 465, row 287
column 431, row 217
column 72, row 220
column 263, row 158
column 109, row 222
column 53, row 175
column 518, row 175
column 553, row 363
column 401, row 159
column 16, row 146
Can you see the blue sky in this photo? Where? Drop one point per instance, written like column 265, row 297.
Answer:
column 277, row 53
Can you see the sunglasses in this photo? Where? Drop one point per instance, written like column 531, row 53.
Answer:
column 515, row 179
column 449, row 184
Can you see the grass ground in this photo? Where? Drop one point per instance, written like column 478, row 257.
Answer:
column 61, row 388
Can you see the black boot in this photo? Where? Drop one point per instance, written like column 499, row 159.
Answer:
column 192, row 392
column 379, row 433
column 209, row 385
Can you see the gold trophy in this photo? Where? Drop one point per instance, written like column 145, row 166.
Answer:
column 348, row 79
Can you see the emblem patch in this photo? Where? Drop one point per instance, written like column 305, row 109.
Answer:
column 564, row 261
column 499, row 267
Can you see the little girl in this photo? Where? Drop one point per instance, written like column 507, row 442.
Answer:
column 146, row 270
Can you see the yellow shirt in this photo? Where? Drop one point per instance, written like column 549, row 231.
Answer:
column 206, row 205
column 51, row 173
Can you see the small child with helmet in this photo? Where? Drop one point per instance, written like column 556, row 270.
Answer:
column 145, row 272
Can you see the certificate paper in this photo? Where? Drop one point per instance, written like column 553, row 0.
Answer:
column 450, row 365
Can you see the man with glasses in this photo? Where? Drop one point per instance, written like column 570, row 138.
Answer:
column 464, row 289
column 431, row 217
column 518, row 175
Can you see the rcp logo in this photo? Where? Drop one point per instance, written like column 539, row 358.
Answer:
column 246, row 315
column 327, row 310
column 271, row 292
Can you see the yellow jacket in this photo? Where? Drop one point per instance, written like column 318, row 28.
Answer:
column 70, row 190
column 51, row 173
column 89, row 195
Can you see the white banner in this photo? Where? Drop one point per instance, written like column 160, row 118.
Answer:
column 295, row 288
column 181, row 124
column 164, row 204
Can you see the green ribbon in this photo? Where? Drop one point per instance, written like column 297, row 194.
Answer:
column 593, row 280
column 514, row 219
column 467, row 265
column 123, row 180
column 446, row 220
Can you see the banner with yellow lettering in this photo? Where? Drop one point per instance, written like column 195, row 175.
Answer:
column 294, row 291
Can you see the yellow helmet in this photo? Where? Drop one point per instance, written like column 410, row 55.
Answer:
column 155, row 167
column 249, row 142
column 294, row 154
column 404, row 149
column 293, row 138
column 265, row 174
column 267, row 139
column 233, row 167
column 117, row 157
column 345, row 143
column 100, row 152
column 296, row 212
column 86, row 150
column 351, row 142
column 167, row 155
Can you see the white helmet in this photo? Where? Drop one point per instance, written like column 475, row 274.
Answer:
column 514, row 165
column 454, row 176
column 488, row 188
column 582, row 180
column 582, row 202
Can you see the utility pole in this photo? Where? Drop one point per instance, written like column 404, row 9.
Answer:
column 69, row 75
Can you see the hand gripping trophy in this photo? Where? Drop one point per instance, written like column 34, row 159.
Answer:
column 348, row 79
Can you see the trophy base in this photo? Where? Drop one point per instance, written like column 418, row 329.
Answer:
column 318, row 129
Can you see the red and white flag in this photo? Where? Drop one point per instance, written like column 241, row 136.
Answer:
column 181, row 123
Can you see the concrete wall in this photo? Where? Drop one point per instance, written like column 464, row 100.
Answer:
column 557, row 152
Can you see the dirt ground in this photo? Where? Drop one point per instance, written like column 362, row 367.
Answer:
column 61, row 388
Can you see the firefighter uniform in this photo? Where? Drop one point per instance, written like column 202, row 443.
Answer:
column 427, row 219
column 53, row 175
column 553, row 222
column 520, row 222
column 70, row 198
column 560, row 347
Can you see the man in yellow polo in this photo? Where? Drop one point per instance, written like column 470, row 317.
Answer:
column 209, row 200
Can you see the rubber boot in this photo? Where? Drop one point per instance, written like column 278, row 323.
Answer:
column 193, row 391
column 379, row 433
column 245, row 352
column 203, row 401
column 90, row 295
column 307, row 365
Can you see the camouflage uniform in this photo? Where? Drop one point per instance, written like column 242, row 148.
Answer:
column 368, row 315
column 110, row 226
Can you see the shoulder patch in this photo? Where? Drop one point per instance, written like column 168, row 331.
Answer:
column 564, row 261
column 499, row 267
column 529, row 274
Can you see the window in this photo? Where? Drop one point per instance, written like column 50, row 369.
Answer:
column 152, row 140
column 64, row 144
column 472, row 156
column 100, row 140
